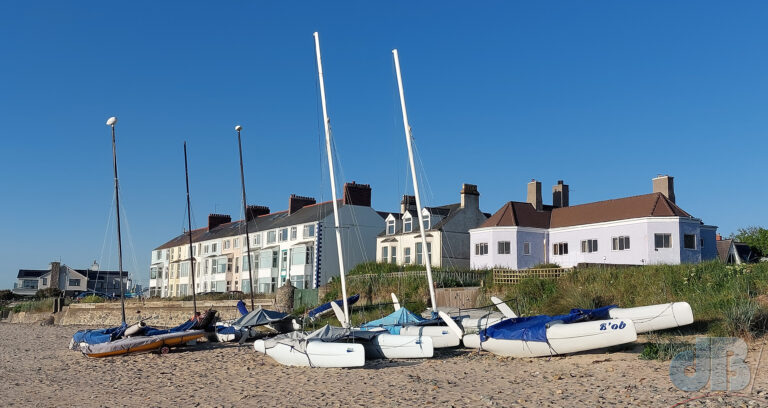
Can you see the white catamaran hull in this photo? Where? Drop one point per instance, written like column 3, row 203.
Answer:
column 656, row 317
column 399, row 346
column 442, row 336
column 473, row 325
column 562, row 339
column 318, row 354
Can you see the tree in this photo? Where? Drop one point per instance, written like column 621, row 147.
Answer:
column 755, row 237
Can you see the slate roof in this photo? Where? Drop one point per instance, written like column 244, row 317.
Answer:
column 31, row 273
column 522, row 214
column 280, row 219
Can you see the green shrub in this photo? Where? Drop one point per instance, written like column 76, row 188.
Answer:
column 92, row 299
column 664, row 348
column 48, row 293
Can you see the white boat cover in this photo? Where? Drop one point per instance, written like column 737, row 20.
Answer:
column 298, row 340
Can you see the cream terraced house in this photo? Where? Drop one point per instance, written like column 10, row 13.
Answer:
column 446, row 228
column 296, row 245
column 638, row 230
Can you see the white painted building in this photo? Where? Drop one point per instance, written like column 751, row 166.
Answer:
column 638, row 230
column 297, row 244
column 446, row 229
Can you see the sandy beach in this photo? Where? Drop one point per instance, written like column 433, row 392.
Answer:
column 39, row 371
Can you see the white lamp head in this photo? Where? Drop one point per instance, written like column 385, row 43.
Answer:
column 238, row 128
column 111, row 121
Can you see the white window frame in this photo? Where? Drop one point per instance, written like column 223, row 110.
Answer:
column 589, row 246
column 504, row 247
column 408, row 224
column 618, row 242
column 526, row 248
column 666, row 240
column 560, row 248
column 481, row 248
column 391, row 227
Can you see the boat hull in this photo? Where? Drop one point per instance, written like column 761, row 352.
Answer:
column 398, row 346
column 442, row 336
column 474, row 325
column 656, row 317
column 562, row 339
column 317, row 354
column 140, row 344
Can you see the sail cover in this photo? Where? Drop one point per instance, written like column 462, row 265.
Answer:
column 97, row 336
column 534, row 328
column 241, row 308
column 327, row 306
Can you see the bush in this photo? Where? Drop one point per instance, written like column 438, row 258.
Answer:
column 93, row 299
column 48, row 293
column 546, row 266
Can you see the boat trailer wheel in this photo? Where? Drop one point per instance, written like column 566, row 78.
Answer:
column 165, row 350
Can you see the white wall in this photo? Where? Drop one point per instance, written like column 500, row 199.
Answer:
column 517, row 236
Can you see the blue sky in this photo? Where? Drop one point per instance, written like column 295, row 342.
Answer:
column 604, row 95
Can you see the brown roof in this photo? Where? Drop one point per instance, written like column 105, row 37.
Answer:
column 521, row 214
column 518, row 214
column 646, row 205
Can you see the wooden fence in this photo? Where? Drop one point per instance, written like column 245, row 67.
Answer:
column 514, row 276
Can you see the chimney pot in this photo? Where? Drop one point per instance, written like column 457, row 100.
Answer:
column 470, row 197
column 407, row 203
column 214, row 220
column 253, row 211
column 296, row 203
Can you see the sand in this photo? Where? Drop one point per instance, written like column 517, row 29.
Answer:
column 39, row 370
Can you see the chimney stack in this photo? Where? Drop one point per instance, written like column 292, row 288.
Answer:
column 534, row 194
column 253, row 211
column 408, row 203
column 718, row 237
column 296, row 203
column 470, row 197
column 214, row 220
column 357, row 194
column 665, row 185
column 560, row 195
column 55, row 272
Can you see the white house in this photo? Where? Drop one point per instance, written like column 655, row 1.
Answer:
column 297, row 244
column 644, row 229
column 70, row 281
column 446, row 228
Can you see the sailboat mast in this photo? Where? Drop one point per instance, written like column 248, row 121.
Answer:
column 408, row 141
column 111, row 123
column 238, row 128
column 329, row 153
column 189, row 228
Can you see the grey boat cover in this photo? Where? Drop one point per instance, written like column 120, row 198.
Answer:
column 298, row 340
column 259, row 317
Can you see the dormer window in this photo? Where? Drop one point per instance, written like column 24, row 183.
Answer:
column 408, row 225
column 427, row 222
column 390, row 227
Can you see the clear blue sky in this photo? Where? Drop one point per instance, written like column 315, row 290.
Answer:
column 604, row 95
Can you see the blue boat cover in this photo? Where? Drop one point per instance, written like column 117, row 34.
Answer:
column 226, row 330
column 97, row 336
column 241, row 308
column 325, row 306
column 534, row 328
column 188, row 325
column 394, row 321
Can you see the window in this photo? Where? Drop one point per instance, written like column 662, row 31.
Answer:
column 153, row 273
column 237, row 266
column 419, row 256
column 689, row 241
column 45, row 281
column 390, row 227
column 213, row 247
column 205, row 249
column 184, row 270
column 257, row 239
column 309, row 230
column 481, row 248
column 504, row 247
column 274, row 259
column 662, row 240
column 207, row 265
column 229, row 266
column 526, row 248
column 271, row 237
column 29, row 284
column 620, row 243
column 283, row 235
column 408, row 225
column 560, row 248
column 294, row 231
column 393, row 254
column 426, row 222
column 589, row 245
column 310, row 258
column 236, row 243
column 384, row 254
column 74, row 282
column 226, row 244
column 407, row 255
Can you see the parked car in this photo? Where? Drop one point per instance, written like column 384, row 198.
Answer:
column 99, row 294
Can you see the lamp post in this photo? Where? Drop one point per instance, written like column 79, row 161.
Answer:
column 111, row 123
column 238, row 128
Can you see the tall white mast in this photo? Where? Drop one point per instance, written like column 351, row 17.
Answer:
column 408, row 141
column 329, row 153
